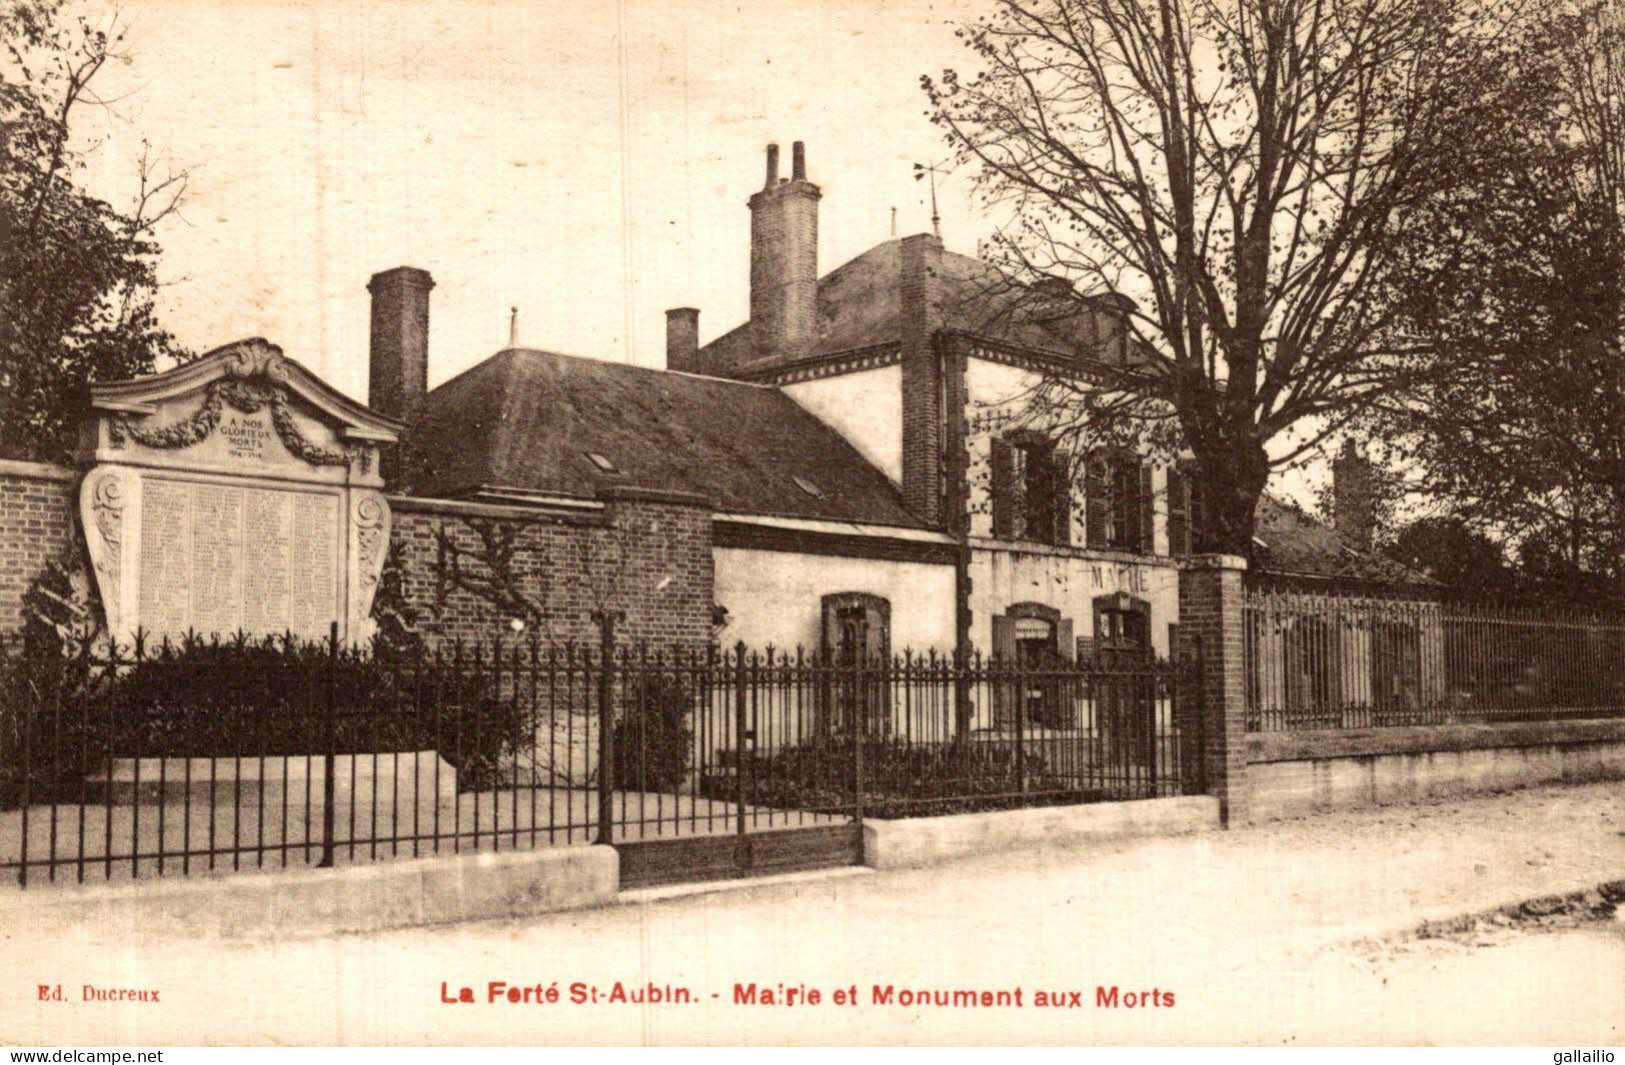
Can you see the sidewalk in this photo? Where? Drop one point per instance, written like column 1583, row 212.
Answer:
column 1241, row 926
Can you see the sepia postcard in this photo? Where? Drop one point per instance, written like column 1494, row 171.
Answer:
column 842, row 522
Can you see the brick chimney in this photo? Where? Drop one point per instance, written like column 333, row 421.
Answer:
column 398, row 366
column 784, row 258
column 683, row 339
column 1354, row 503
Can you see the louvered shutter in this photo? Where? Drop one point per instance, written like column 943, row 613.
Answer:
column 1147, row 532
column 1179, row 512
column 1097, row 511
column 1061, row 471
column 1004, row 489
column 1004, row 650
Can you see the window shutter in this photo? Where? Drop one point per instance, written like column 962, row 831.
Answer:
column 1004, row 489
column 1097, row 512
column 1147, row 532
column 1061, row 472
column 1179, row 513
column 1004, row 650
column 1064, row 644
column 1198, row 510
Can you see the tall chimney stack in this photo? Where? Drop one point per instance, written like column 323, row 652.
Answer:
column 784, row 258
column 683, row 339
column 1354, row 503
column 398, row 368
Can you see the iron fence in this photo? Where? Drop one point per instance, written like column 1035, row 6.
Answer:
column 1332, row 662
column 240, row 755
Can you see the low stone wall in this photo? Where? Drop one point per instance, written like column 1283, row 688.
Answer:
column 1291, row 774
column 325, row 902
column 925, row 840
column 362, row 780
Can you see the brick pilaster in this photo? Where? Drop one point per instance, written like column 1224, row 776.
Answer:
column 919, row 291
column 1211, row 594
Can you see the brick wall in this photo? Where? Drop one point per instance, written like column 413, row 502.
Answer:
column 36, row 526
column 468, row 569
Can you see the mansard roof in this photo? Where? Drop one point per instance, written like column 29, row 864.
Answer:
column 860, row 306
column 533, row 421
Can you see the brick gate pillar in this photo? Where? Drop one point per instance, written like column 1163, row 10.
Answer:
column 1210, row 611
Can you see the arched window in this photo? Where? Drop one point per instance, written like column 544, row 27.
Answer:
column 857, row 638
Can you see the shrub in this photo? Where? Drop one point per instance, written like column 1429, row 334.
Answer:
column 899, row 779
column 66, row 714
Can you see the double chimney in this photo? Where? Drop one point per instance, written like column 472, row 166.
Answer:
column 783, row 271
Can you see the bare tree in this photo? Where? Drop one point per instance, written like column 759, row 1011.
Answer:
column 1238, row 168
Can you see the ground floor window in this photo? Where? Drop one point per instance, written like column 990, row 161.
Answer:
column 857, row 639
column 1035, row 642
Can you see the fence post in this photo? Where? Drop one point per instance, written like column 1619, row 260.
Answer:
column 28, row 709
column 741, row 762
column 859, row 736
column 1211, row 608
column 1020, row 692
column 606, row 723
column 330, row 727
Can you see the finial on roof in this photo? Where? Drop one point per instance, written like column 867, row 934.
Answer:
column 513, row 327
column 894, row 223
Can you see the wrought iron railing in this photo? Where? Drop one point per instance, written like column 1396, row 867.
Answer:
column 239, row 755
column 1333, row 662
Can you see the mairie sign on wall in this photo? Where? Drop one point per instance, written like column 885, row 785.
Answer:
column 237, row 492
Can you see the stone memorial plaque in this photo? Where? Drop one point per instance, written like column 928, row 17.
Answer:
column 235, row 493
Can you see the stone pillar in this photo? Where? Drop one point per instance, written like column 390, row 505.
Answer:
column 1211, row 595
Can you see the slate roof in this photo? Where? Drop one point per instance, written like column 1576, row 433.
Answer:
column 527, row 419
column 859, row 307
column 1292, row 543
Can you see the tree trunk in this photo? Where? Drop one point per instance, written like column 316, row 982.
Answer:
column 1231, row 483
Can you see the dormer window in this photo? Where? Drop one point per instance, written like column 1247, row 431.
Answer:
column 810, row 488
column 601, row 461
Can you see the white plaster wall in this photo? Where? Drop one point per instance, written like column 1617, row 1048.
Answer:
column 866, row 407
column 1069, row 583
column 994, row 393
column 775, row 597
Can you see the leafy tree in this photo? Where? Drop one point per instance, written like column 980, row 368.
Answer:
column 1451, row 551
column 1240, row 170
column 1513, row 280
column 78, row 277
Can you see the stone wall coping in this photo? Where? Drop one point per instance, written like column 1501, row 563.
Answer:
column 1201, row 562
column 634, row 494
column 586, row 512
column 35, row 471
column 1084, row 554
column 1321, row 744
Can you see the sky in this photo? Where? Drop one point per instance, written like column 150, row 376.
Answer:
column 586, row 162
